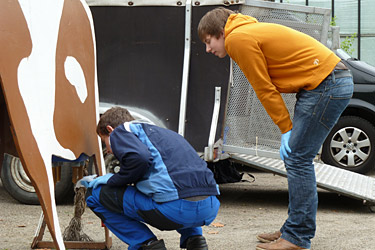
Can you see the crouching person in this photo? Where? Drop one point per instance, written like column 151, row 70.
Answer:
column 173, row 188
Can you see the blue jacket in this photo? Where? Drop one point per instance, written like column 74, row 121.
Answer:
column 160, row 162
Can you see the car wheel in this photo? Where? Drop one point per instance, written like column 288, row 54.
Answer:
column 350, row 145
column 18, row 185
column 111, row 163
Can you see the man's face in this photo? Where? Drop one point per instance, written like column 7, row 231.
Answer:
column 105, row 139
column 215, row 45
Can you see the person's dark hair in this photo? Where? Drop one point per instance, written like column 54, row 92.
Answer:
column 213, row 22
column 113, row 117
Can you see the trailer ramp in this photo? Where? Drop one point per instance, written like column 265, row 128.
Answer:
column 328, row 177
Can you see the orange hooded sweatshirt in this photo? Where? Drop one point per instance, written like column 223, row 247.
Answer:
column 276, row 59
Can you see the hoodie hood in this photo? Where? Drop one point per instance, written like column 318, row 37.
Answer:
column 237, row 20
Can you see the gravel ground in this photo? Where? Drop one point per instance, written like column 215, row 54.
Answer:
column 246, row 210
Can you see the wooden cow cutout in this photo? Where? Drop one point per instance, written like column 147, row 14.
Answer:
column 48, row 78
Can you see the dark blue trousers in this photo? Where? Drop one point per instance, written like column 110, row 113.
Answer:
column 125, row 211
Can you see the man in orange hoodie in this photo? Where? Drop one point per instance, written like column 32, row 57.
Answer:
column 276, row 59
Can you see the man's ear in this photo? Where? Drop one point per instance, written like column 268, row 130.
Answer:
column 223, row 33
column 109, row 128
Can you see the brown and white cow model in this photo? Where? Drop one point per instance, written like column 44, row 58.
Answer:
column 48, row 78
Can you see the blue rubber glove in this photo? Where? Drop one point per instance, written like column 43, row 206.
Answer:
column 84, row 182
column 100, row 180
column 284, row 148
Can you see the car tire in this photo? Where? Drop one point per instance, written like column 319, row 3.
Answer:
column 112, row 165
column 18, row 185
column 355, row 153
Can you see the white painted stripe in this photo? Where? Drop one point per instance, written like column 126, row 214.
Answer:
column 75, row 76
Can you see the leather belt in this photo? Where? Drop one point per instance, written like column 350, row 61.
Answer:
column 340, row 71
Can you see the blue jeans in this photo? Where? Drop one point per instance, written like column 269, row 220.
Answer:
column 125, row 211
column 316, row 112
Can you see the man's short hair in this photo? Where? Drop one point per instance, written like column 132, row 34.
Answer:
column 113, row 117
column 213, row 22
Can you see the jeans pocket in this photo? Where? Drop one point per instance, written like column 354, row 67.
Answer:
column 339, row 98
column 332, row 111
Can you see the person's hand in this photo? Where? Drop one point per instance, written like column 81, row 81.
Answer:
column 284, row 148
column 100, row 180
column 84, row 182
